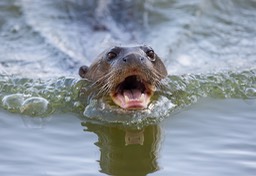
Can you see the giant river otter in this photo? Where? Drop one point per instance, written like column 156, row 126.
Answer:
column 129, row 75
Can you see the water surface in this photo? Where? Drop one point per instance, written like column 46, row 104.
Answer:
column 200, row 123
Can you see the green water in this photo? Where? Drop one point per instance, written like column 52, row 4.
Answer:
column 41, row 98
column 201, row 121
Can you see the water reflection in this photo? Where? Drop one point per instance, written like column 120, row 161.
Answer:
column 125, row 151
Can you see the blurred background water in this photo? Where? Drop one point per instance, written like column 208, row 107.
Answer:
column 201, row 124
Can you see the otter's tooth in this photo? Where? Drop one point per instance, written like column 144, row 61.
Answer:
column 126, row 99
column 142, row 97
column 138, row 79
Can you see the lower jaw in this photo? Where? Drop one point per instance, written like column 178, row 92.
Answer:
column 132, row 104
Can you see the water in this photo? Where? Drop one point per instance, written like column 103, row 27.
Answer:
column 200, row 123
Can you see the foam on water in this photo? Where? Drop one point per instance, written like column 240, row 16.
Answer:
column 43, row 97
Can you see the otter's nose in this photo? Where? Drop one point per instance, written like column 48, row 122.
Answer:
column 133, row 58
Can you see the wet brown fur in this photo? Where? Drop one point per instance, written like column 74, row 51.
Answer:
column 106, row 74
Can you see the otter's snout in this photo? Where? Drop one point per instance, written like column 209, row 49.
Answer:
column 134, row 59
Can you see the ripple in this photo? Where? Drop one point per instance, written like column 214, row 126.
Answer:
column 37, row 97
column 35, row 106
column 13, row 102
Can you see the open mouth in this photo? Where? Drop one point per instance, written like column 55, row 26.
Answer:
column 132, row 93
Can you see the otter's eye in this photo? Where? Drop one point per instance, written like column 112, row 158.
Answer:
column 151, row 55
column 111, row 55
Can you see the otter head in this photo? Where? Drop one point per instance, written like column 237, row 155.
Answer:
column 129, row 75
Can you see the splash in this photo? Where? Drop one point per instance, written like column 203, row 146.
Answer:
column 41, row 98
column 36, row 97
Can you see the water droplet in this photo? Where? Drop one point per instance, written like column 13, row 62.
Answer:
column 67, row 99
column 13, row 101
column 35, row 106
column 250, row 92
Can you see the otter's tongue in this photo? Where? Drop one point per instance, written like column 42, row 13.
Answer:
column 133, row 99
column 132, row 94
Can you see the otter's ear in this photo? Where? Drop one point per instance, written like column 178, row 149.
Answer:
column 83, row 70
